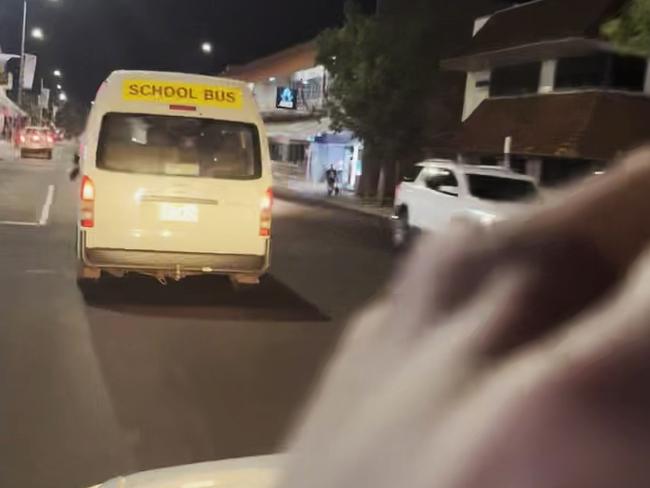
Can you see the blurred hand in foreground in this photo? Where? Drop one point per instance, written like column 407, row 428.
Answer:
column 511, row 358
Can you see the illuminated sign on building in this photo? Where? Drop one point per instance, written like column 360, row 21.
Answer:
column 287, row 98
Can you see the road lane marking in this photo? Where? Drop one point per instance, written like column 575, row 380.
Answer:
column 41, row 271
column 45, row 213
column 27, row 168
column 19, row 224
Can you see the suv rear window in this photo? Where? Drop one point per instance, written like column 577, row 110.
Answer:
column 179, row 146
column 501, row 189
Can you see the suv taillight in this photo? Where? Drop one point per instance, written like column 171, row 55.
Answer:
column 87, row 216
column 266, row 212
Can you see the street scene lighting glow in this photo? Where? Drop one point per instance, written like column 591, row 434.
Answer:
column 37, row 33
column 188, row 240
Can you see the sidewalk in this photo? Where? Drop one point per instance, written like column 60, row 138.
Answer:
column 290, row 184
column 7, row 152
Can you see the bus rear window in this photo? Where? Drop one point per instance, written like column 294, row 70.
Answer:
column 179, row 146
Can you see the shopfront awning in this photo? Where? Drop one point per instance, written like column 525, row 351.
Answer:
column 594, row 125
column 297, row 131
column 8, row 107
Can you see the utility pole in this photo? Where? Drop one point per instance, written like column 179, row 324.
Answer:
column 21, row 76
column 40, row 105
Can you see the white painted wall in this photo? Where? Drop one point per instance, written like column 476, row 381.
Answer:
column 547, row 76
column 479, row 23
column 308, row 74
column 265, row 95
column 475, row 95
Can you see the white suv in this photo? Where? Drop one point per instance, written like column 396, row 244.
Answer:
column 445, row 192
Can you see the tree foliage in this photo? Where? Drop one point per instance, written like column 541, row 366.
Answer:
column 381, row 70
column 386, row 84
column 630, row 31
column 72, row 117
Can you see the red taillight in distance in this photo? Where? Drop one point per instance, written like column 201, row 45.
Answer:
column 266, row 205
column 87, row 216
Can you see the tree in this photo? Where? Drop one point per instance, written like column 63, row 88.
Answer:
column 630, row 31
column 386, row 83
column 382, row 68
column 72, row 117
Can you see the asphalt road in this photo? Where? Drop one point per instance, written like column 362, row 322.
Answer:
column 139, row 376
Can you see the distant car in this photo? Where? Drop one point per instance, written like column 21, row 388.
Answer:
column 59, row 135
column 444, row 193
column 36, row 141
column 258, row 472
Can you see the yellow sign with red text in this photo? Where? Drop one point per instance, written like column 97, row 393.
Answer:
column 178, row 93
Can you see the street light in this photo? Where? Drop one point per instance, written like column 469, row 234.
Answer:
column 206, row 47
column 21, row 75
column 37, row 33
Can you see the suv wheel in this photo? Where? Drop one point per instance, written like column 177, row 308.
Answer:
column 401, row 230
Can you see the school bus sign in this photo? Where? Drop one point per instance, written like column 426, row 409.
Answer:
column 178, row 93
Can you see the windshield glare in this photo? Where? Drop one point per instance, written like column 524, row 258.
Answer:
column 501, row 189
column 179, row 146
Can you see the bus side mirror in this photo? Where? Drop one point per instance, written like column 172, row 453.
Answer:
column 74, row 172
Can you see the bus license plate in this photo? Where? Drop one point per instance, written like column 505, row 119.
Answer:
column 173, row 212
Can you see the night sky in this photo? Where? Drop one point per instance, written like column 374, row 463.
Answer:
column 87, row 39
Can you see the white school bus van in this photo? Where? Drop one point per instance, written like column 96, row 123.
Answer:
column 175, row 180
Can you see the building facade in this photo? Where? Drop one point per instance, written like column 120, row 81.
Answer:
column 10, row 114
column 547, row 95
column 291, row 90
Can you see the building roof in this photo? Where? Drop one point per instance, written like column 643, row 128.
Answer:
column 595, row 125
column 280, row 64
column 543, row 20
column 560, row 24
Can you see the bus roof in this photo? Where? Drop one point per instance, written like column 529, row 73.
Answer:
column 176, row 94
